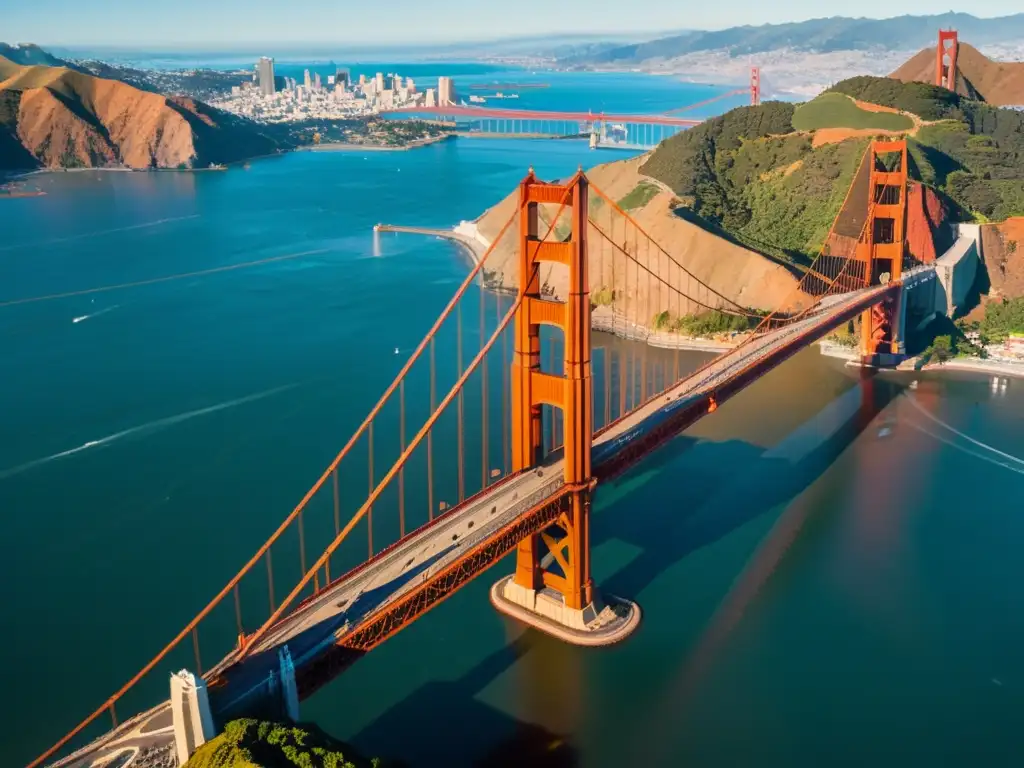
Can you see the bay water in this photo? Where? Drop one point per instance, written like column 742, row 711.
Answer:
column 828, row 567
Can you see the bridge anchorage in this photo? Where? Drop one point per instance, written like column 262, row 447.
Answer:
column 552, row 589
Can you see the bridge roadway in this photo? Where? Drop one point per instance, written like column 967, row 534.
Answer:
column 497, row 113
column 323, row 623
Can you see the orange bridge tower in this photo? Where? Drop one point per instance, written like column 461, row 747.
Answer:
column 945, row 59
column 552, row 588
column 882, row 250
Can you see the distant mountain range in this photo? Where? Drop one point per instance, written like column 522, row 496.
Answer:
column 819, row 35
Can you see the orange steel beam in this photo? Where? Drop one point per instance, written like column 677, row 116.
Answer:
column 572, row 392
column 877, row 255
column 255, row 559
column 432, row 592
column 403, row 458
column 945, row 74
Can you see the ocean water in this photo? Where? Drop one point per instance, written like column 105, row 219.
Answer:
column 816, row 590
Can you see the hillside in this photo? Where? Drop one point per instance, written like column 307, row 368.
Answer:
column 978, row 77
column 56, row 117
column 820, row 35
column 737, row 272
column 776, row 177
column 264, row 744
column 970, row 150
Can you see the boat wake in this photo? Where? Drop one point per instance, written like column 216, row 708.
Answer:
column 95, row 314
column 100, row 233
column 1019, row 463
column 142, row 429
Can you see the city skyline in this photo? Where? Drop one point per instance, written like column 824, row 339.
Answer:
column 127, row 23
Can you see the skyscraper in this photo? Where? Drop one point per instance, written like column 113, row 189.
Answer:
column 445, row 91
column 316, row 82
column 308, row 82
column 410, row 86
column 342, row 78
column 265, row 73
column 380, row 82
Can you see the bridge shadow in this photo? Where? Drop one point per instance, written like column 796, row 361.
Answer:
column 721, row 487
column 442, row 723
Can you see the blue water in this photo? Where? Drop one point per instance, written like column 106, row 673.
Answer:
column 810, row 596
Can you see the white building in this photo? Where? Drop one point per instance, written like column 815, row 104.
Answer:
column 445, row 91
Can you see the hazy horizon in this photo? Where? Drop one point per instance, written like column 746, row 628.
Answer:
column 241, row 25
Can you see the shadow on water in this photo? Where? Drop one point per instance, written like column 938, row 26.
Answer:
column 724, row 485
column 442, row 723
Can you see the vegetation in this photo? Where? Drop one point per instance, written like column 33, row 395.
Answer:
column 371, row 131
column 973, row 155
column 929, row 102
column 1002, row 320
column 707, row 323
column 836, row 110
column 749, row 174
column 256, row 744
column 639, row 196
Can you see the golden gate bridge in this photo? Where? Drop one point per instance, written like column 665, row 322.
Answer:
column 393, row 527
column 638, row 131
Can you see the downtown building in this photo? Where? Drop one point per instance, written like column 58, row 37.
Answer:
column 445, row 91
column 265, row 75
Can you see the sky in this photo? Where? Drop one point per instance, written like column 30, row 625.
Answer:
column 192, row 23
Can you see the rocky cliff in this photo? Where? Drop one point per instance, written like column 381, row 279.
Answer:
column 54, row 117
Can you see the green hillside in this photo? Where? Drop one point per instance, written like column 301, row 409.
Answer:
column 750, row 173
column 974, row 152
column 836, row 110
column 256, row 744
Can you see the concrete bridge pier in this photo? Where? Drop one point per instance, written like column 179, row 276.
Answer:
column 190, row 714
column 552, row 589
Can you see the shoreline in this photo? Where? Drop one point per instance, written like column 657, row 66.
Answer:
column 602, row 319
column 341, row 146
column 912, row 364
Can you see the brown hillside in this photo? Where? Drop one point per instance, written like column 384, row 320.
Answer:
column 67, row 119
column 744, row 276
column 996, row 82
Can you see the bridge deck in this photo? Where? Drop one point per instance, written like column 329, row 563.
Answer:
column 355, row 598
column 324, row 621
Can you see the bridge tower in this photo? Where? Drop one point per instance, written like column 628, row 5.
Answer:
column 882, row 249
column 552, row 588
column 755, row 86
column 945, row 59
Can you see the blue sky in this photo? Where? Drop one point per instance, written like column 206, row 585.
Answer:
column 139, row 23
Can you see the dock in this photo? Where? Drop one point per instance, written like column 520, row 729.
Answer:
column 475, row 249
